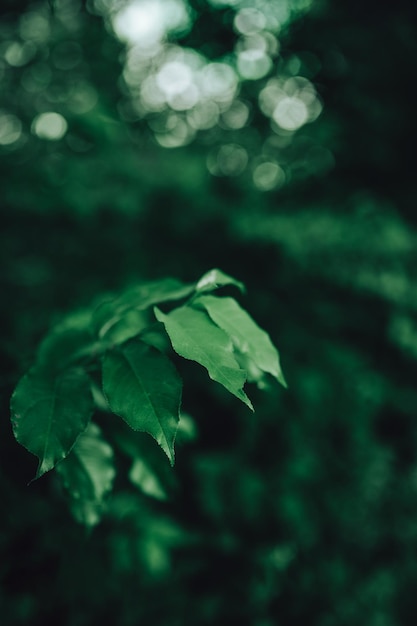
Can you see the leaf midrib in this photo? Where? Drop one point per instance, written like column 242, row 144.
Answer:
column 211, row 361
column 147, row 395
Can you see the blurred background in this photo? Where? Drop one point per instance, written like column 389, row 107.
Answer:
column 274, row 139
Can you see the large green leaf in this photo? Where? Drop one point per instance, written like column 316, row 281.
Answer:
column 194, row 336
column 216, row 278
column 49, row 412
column 143, row 386
column 245, row 334
column 138, row 298
column 88, row 474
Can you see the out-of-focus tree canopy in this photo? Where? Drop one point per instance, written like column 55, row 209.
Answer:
column 273, row 139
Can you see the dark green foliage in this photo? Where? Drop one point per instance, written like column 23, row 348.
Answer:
column 52, row 405
column 304, row 512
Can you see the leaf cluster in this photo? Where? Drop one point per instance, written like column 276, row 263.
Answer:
column 115, row 357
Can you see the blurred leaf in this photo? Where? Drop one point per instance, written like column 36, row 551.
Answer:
column 187, row 429
column 62, row 348
column 123, row 312
column 88, row 474
column 245, row 334
column 69, row 340
column 138, row 298
column 128, row 326
column 150, row 471
column 253, row 373
column 144, row 388
column 195, row 337
column 49, row 412
column 216, row 278
column 143, row 476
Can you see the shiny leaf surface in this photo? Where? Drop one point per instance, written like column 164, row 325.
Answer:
column 245, row 334
column 144, row 388
column 195, row 337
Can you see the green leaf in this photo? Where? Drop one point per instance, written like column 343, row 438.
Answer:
column 143, row 387
column 144, row 478
column 88, row 474
column 187, row 429
column 245, row 334
column 138, row 298
column 150, row 471
column 67, row 342
column 195, row 337
column 49, row 412
column 216, row 278
column 130, row 324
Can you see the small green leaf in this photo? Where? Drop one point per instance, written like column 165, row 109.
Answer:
column 245, row 334
column 144, row 388
column 88, row 474
column 195, row 337
column 216, row 278
column 49, row 412
column 138, row 298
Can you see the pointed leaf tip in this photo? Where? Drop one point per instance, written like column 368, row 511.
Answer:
column 143, row 387
column 49, row 412
column 246, row 335
column 195, row 337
